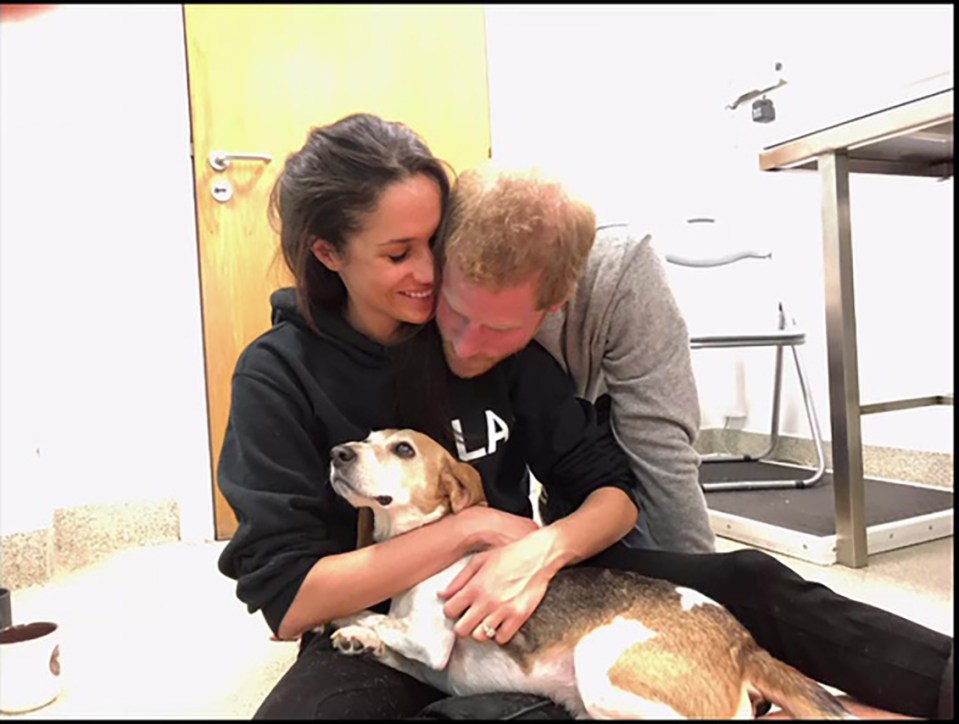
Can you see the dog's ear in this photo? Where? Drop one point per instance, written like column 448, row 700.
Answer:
column 364, row 527
column 462, row 484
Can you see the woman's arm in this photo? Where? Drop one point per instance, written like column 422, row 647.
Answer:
column 342, row 584
column 604, row 518
column 501, row 588
column 576, row 456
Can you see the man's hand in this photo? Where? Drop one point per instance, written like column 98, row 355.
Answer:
column 500, row 588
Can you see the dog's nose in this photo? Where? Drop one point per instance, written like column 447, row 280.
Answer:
column 343, row 454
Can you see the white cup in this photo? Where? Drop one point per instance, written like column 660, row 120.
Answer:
column 29, row 666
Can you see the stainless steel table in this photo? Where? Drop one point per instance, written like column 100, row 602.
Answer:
column 910, row 139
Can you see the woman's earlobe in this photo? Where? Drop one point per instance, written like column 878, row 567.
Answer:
column 326, row 255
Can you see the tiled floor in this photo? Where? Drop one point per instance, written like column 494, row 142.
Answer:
column 155, row 632
column 158, row 633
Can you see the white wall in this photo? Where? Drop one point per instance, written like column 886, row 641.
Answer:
column 101, row 374
column 630, row 102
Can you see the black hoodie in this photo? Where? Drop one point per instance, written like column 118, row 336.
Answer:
column 298, row 393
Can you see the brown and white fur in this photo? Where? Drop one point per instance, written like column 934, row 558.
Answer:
column 602, row 643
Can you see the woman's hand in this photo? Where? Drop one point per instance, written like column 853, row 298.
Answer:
column 500, row 588
column 490, row 528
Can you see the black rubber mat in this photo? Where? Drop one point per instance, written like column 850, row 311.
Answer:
column 813, row 510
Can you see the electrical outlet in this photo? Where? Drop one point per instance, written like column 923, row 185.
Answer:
column 734, row 420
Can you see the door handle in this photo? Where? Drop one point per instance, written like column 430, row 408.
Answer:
column 220, row 160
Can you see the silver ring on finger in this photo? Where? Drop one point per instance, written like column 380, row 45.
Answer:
column 488, row 630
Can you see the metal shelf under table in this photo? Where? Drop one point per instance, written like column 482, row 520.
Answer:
column 914, row 138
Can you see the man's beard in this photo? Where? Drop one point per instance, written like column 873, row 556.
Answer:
column 473, row 367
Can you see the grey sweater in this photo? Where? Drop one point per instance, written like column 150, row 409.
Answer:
column 623, row 334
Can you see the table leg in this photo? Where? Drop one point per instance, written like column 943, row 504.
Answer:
column 843, row 362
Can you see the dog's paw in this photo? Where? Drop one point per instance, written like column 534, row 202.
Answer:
column 355, row 640
column 366, row 619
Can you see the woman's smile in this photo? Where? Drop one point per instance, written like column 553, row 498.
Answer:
column 425, row 295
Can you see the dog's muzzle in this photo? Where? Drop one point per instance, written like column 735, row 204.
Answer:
column 342, row 458
column 343, row 455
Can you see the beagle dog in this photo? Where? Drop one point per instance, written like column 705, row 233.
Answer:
column 602, row 643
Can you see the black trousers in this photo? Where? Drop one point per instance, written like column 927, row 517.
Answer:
column 877, row 657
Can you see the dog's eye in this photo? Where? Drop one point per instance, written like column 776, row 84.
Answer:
column 404, row 450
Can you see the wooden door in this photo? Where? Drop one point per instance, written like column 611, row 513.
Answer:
column 260, row 77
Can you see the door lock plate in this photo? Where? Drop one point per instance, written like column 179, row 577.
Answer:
column 222, row 190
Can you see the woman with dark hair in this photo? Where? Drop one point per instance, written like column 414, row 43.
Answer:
column 353, row 349
column 359, row 207
column 329, row 187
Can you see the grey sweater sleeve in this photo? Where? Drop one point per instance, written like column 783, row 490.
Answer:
column 655, row 404
column 624, row 334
